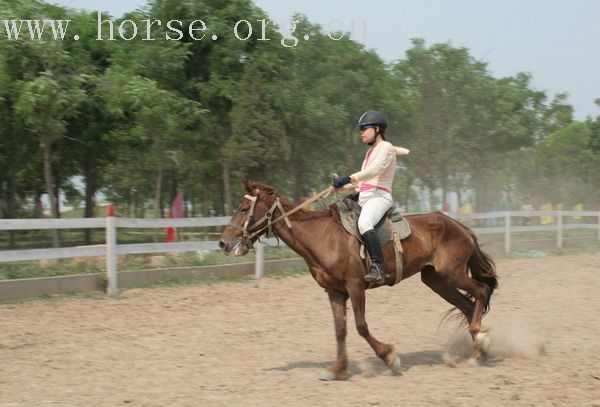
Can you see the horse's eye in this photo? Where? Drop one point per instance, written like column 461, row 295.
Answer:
column 244, row 210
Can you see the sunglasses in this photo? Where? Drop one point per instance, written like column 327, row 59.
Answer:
column 365, row 127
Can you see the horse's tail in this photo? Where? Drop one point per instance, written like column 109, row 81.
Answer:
column 483, row 270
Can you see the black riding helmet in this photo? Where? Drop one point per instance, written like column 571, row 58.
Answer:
column 372, row 118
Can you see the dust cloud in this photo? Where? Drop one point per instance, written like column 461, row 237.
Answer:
column 506, row 342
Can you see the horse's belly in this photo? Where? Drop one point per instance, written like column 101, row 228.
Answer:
column 322, row 278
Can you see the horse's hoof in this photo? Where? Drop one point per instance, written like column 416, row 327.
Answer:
column 482, row 341
column 450, row 360
column 473, row 361
column 396, row 366
column 392, row 361
column 328, row 376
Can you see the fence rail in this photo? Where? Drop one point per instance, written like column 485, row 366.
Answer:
column 502, row 224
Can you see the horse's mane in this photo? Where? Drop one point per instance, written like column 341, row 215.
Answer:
column 302, row 214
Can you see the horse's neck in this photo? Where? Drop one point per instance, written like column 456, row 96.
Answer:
column 305, row 235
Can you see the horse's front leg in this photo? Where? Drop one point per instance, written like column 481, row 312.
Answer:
column 339, row 370
column 383, row 350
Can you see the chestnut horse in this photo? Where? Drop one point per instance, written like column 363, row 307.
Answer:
column 441, row 248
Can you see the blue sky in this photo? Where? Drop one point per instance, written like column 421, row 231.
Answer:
column 556, row 41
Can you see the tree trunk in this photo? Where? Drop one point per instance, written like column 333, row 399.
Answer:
column 158, row 191
column 11, row 204
column 227, row 188
column 174, row 186
column 48, row 177
column 444, row 188
column 205, row 198
column 431, row 190
column 409, row 182
column 480, row 196
column 294, row 168
column 57, row 183
column 38, row 210
column 157, row 196
column 298, row 187
column 90, row 193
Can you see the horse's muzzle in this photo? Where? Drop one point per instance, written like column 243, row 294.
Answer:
column 237, row 247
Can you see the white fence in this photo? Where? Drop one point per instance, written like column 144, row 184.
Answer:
column 503, row 221
column 111, row 249
column 558, row 223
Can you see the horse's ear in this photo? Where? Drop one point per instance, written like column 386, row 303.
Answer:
column 247, row 186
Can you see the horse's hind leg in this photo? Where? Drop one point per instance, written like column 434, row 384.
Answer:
column 447, row 291
column 339, row 370
column 480, row 292
column 450, row 293
column 383, row 350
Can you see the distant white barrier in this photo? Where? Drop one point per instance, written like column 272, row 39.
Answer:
column 111, row 249
column 557, row 224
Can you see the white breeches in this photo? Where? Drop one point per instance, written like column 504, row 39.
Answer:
column 375, row 204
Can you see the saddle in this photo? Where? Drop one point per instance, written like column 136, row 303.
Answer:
column 392, row 226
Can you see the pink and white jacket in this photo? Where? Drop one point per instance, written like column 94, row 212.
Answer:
column 378, row 167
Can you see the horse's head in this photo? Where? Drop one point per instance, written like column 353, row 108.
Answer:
column 252, row 219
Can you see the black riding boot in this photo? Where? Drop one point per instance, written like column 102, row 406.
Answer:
column 371, row 240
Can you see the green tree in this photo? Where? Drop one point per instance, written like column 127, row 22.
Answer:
column 570, row 164
column 45, row 90
column 157, row 121
column 465, row 121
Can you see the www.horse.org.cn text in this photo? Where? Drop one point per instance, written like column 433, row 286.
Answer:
column 176, row 30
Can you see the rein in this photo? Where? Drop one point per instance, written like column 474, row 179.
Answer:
column 268, row 216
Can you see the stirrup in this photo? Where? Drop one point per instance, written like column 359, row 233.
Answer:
column 375, row 273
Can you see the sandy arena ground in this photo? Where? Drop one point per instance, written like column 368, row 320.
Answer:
column 233, row 344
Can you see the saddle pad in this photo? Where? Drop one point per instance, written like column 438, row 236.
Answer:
column 402, row 227
column 392, row 227
column 350, row 210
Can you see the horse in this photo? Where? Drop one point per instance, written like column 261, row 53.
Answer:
column 443, row 250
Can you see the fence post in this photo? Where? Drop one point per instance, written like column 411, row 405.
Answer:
column 559, row 234
column 259, row 266
column 507, row 232
column 111, row 250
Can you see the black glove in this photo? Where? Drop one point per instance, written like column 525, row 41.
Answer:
column 341, row 181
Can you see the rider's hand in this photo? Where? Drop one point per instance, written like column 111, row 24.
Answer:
column 341, row 181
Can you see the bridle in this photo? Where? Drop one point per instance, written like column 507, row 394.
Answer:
column 249, row 235
column 248, row 232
